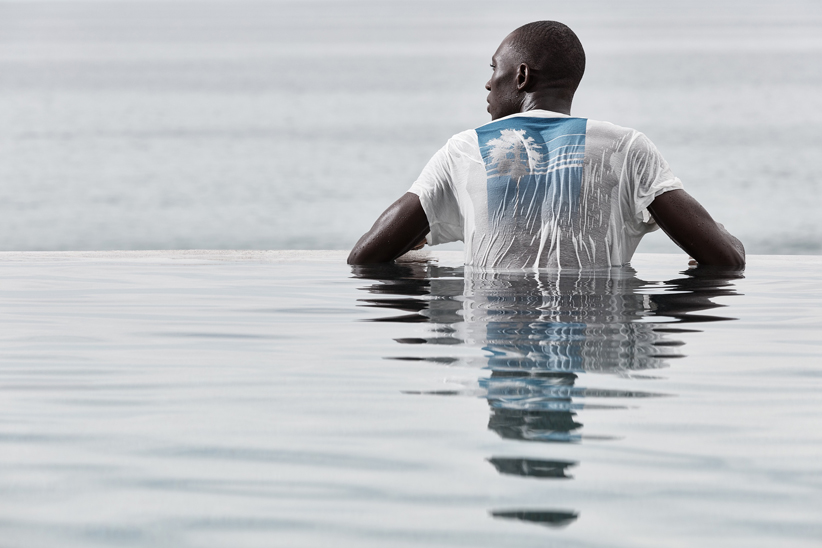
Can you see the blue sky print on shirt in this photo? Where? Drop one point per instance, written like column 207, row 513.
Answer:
column 534, row 170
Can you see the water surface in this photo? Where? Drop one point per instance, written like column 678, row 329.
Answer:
column 199, row 399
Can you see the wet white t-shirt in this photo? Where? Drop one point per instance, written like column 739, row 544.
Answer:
column 541, row 189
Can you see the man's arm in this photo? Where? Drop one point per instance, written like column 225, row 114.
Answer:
column 693, row 229
column 397, row 230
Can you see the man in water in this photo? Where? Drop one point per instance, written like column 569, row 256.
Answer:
column 537, row 188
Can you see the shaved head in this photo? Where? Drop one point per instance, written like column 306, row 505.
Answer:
column 553, row 50
column 538, row 66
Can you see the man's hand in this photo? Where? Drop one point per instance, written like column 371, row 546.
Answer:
column 397, row 230
column 693, row 229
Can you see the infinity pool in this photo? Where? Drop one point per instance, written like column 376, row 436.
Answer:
column 285, row 399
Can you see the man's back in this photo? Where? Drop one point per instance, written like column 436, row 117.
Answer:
column 544, row 190
column 537, row 188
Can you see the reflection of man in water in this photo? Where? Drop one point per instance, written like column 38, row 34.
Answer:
column 538, row 188
column 542, row 331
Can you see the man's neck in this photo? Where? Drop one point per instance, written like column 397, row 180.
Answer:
column 553, row 100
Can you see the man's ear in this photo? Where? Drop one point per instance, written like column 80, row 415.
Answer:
column 523, row 77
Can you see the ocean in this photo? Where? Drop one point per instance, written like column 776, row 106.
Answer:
column 291, row 125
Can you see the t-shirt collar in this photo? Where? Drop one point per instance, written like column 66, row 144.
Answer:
column 535, row 113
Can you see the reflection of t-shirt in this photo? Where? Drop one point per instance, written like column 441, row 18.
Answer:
column 544, row 190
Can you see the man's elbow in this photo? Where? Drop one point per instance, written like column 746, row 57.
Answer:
column 368, row 254
column 357, row 257
column 735, row 251
column 739, row 257
column 731, row 255
column 733, row 259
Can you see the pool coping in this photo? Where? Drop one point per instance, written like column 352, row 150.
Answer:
column 452, row 258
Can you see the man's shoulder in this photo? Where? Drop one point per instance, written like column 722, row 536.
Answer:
column 603, row 136
column 609, row 129
column 469, row 136
column 463, row 142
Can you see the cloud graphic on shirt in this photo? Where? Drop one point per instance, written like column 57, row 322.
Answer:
column 513, row 154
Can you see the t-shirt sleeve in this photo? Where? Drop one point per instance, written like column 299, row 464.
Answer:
column 435, row 187
column 650, row 175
